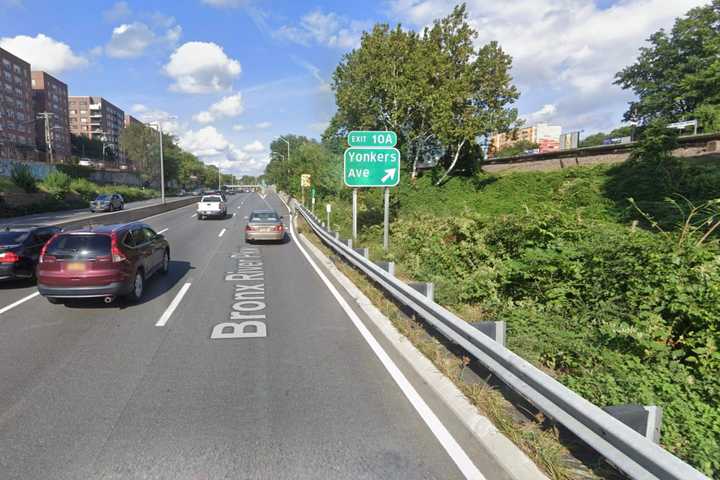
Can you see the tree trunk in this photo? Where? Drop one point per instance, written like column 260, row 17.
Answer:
column 452, row 165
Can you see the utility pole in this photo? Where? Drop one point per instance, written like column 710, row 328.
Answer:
column 48, row 133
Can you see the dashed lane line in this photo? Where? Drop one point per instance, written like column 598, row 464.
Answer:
column 19, row 302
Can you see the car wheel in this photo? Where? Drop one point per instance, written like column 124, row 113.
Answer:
column 54, row 301
column 137, row 287
column 165, row 268
column 112, row 207
column 122, row 206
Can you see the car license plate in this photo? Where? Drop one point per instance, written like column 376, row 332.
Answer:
column 75, row 267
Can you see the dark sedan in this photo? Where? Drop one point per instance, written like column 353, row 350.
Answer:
column 20, row 248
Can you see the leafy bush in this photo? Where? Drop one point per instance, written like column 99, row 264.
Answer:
column 85, row 188
column 620, row 315
column 57, row 184
column 22, row 177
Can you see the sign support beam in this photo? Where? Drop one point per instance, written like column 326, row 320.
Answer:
column 386, row 227
column 354, row 215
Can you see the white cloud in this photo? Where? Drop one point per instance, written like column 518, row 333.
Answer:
column 213, row 148
column 546, row 113
column 238, row 127
column 230, row 106
column 118, row 11
column 329, row 29
column 170, row 123
column 263, row 125
column 254, row 147
column 131, row 40
column 201, row 67
column 565, row 54
column 43, row 53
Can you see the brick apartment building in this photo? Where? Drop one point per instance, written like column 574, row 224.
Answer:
column 96, row 118
column 546, row 136
column 51, row 95
column 17, row 132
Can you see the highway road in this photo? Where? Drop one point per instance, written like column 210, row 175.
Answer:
column 62, row 215
column 90, row 390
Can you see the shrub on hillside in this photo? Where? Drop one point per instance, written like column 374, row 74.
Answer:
column 22, row 177
column 85, row 188
column 57, row 184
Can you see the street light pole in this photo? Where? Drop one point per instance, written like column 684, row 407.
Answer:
column 288, row 156
column 162, row 166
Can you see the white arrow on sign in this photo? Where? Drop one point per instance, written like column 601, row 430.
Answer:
column 389, row 173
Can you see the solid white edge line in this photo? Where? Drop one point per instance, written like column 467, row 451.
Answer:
column 222, row 232
column 448, row 442
column 173, row 305
column 19, row 302
column 163, row 231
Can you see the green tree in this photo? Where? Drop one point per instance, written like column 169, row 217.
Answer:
column 82, row 146
column 678, row 71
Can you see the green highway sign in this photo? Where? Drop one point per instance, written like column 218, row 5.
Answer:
column 363, row 138
column 372, row 167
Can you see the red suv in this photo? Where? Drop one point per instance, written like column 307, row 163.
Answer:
column 104, row 261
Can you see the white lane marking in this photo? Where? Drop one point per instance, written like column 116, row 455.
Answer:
column 173, row 305
column 239, row 206
column 448, row 442
column 233, row 212
column 222, row 232
column 19, row 302
column 193, row 215
column 163, row 230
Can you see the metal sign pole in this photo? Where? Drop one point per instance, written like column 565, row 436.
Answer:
column 386, row 228
column 354, row 215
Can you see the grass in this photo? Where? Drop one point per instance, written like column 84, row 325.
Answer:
column 537, row 437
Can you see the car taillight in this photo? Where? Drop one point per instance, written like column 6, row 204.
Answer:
column 43, row 257
column 9, row 257
column 278, row 228
column 117, row 254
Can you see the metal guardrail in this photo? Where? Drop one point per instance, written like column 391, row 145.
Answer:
column 627, row 450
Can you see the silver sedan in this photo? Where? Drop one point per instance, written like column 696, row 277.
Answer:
column 265, row 225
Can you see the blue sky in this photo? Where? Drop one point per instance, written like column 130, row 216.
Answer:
column 236, row 73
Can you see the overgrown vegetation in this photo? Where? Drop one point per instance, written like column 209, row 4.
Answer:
column 22, row 177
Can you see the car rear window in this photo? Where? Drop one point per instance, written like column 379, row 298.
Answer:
column 103, row 197
column 264, row 217
column 211, row 199
column 12, row 238
column 79, row 246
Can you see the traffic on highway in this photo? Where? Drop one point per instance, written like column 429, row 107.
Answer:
column 172, row 348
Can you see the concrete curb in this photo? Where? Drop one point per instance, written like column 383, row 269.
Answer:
column 505, row 453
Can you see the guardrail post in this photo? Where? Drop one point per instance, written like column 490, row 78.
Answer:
column 348, row 242
column 644, row 419
column 387, row 266
column 426, row 288
column 337, row 235
column 494, row 330
column 364, row 251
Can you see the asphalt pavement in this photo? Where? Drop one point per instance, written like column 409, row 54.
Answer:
column 237, row 364
column 49, row 218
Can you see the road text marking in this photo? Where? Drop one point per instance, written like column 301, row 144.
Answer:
column 249, row 299
column 173, row 305
column 19, row 302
